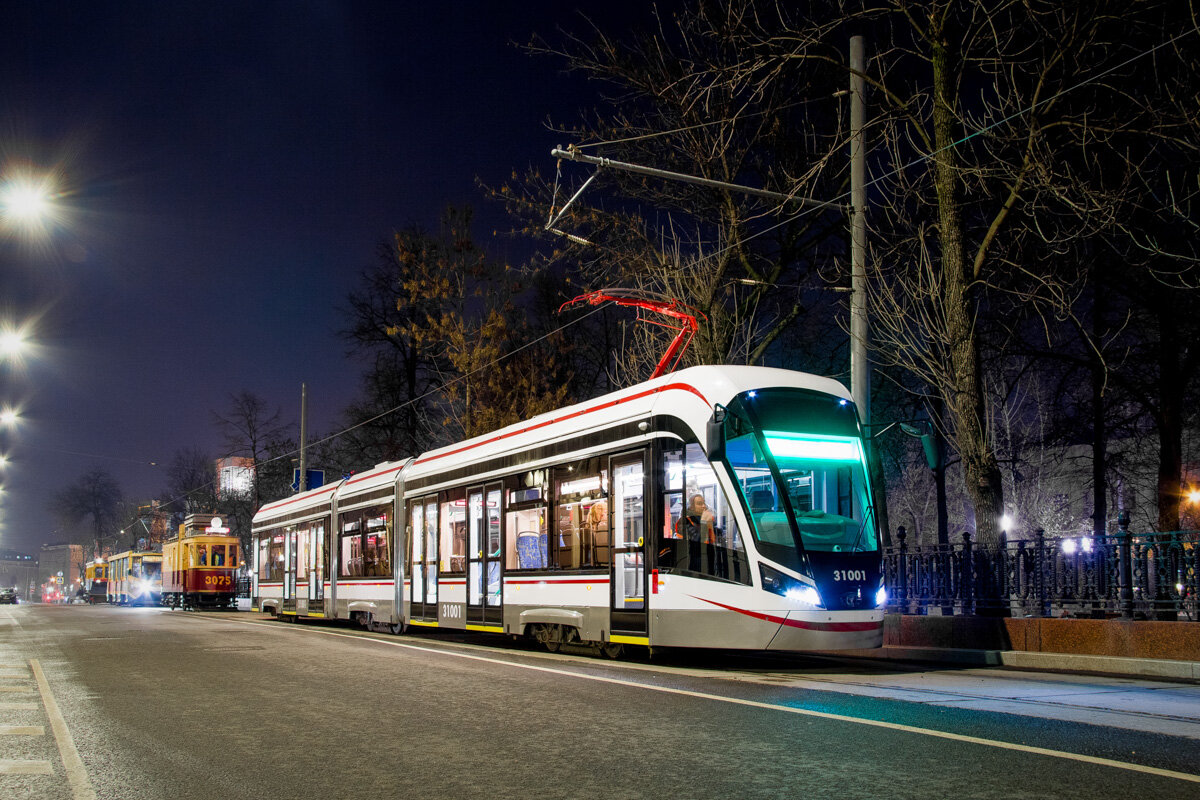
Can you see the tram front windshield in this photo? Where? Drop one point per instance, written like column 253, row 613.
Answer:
column 816, row 447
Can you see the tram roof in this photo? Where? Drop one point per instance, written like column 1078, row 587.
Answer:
column 696, row 389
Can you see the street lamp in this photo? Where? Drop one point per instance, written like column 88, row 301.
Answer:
column 9, row 418
column 27, row 203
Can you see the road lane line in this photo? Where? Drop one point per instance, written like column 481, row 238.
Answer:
column 18, row 706
column 10, row 766
column 895, row 726
column 22, row 730
column 81, row 787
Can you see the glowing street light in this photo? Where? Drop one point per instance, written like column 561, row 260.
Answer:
column 9, row 418
column 27, row 203
column 12, row 343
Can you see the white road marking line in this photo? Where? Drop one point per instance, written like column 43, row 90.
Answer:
column 957, row 737
column 81, row 787
column 25, row 689
column 10, row 766
column 18, row 706
column 22, row 730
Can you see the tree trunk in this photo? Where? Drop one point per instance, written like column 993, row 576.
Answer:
column 1170, row 418
column 1099, row 444
column 964, row 392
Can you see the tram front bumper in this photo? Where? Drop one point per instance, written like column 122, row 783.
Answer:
column 801, row 630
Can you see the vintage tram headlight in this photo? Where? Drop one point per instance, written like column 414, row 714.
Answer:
column 776, row 582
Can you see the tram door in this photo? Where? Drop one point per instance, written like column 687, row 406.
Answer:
column 484, row 583
column 289, row 570
column 316, row 569
column 423, row 558
column 627, row 523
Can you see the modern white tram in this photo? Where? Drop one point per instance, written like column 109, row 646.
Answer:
column 724, row 507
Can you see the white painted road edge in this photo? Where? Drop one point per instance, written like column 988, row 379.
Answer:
column 81, row 787
column 1042, row 751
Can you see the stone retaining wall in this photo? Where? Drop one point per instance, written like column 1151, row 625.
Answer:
column 1099, row 637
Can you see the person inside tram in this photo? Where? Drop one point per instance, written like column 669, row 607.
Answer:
column 696, row 527
column 218, row 558
column 204, row 556
column 597, row 523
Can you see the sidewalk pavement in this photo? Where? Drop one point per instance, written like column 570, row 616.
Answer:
column 1050, row 662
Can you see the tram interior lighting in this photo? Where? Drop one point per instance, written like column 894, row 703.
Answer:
column 581, row 486
column 814, row 447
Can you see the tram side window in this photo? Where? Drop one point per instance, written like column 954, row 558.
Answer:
column 275, row 556
column 526, row 542
column 453, row 548
column 377, row 541
column 581, row 535
column 700, row 534
column 351, row 547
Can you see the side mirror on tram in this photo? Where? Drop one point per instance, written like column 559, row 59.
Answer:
column 716, row 434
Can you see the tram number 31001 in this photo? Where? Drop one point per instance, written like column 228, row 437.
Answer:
column 217, row 580
column 849, row 575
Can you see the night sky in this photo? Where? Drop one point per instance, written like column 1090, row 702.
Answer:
column 227, row 170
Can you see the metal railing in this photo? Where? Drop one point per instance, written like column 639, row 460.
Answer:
column 1126, row 575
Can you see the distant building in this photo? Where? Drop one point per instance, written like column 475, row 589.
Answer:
column 19, row 571
column 235, row 477
column 61, row 560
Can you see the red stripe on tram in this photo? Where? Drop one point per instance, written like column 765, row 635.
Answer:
column 833, row 627
column 610, row 404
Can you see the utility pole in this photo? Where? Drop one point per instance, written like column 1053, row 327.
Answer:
column 860, row 370
column 303, row 483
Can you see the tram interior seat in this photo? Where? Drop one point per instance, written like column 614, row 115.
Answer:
column 569, row 546
column 531, row 550
column 761, row 501
column 600, row 546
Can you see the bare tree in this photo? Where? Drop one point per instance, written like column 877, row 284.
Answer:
column 191, row 481
column 252, row 431
column 93, row 500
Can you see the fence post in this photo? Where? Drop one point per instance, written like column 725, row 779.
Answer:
column 1040, row 576
column 1124, row 547
column 902, row 571
column 968, row 575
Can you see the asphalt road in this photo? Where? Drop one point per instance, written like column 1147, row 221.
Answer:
column 128, row 703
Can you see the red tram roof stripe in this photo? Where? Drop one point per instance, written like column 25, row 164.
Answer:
column 610, row 404
column 833, row 627
column 554, row 582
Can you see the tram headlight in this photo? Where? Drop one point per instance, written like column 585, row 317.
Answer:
column 141, row 587
column 881, row 597
column 776, row 582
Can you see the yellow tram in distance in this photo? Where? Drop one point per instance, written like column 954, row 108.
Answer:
column 95, row 581
column 135, row 578
column 200, row 564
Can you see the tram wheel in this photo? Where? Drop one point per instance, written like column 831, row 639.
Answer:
column 551, row 637
column 396, row 629
column 610, row 649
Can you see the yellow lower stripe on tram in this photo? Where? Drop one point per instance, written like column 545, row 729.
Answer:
column 486, row 628
column 315, row 614
column 617, row 639
column 422, row 623
column 290, row 613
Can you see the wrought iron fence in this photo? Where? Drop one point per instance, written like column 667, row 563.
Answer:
column 1128, row 575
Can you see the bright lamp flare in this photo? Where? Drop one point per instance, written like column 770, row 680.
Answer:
column 12, row 343
column 24, row 201
column 9, row 417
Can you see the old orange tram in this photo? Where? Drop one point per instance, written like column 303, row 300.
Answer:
column 200, row 565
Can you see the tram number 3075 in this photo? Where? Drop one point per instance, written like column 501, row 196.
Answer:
column 849, row 575
column 217, row 580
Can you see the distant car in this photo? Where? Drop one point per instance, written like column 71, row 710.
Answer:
column 8, row 596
